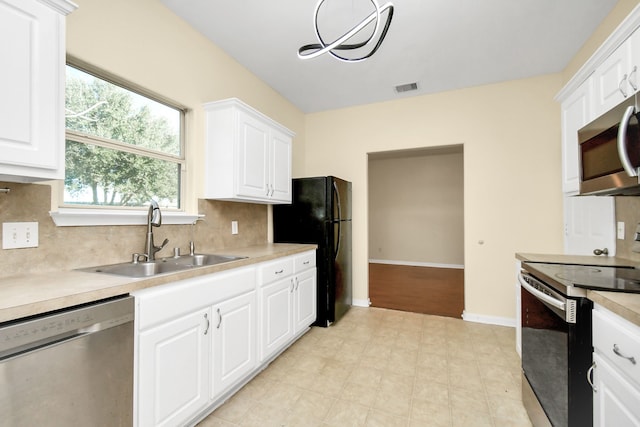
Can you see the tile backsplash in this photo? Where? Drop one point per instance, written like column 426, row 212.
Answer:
column 65, row 248
column 628, row 211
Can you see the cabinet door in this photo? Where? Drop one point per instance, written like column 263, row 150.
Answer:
column 276, row 319
column 31, row 84
column 234, row 351
column 280, row 166
column 253, row 157
column 173, row 370
column 576, row 113
column 634, row 72
column 611, row 77
column 588, row 224
column 615, row 401
column 305, row 299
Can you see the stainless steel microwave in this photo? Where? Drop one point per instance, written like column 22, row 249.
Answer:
column 610, row 152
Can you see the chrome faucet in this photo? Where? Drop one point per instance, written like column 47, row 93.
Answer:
column 154, row 219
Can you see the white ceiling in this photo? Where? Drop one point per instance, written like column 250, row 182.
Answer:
column 440, row 44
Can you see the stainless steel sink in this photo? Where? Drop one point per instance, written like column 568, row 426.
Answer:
column 162, row 266
column 198, row 260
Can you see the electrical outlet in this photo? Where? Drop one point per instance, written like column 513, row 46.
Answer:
column 234, row 227
column 620, row 230
column 19, row 235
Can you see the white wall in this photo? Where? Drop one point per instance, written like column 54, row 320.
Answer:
column 416, row 207
column 512, row 195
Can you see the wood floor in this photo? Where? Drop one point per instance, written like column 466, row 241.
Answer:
column 429, row 290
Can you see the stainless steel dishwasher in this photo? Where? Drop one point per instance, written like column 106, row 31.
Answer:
column 69, row 367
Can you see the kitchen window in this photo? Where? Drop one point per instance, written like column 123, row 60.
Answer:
column 124, row 146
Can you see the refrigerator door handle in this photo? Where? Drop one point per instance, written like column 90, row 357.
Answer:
column 336, row 194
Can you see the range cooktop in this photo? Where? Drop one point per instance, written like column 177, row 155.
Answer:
column 616, row 279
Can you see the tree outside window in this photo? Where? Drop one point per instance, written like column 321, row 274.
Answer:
column 122, row 148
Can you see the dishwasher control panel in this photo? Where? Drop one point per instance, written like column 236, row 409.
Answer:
column 25, row 334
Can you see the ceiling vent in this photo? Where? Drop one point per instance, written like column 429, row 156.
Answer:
column 406, row 87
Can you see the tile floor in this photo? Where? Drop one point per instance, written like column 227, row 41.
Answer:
column 386, row 368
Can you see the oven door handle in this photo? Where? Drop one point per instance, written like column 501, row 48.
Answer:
column 541, row 295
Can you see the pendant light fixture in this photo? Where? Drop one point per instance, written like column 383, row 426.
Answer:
column 314, row 50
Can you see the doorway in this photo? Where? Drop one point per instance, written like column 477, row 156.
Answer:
column 416, row 230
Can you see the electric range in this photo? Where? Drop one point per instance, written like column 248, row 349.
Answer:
column 574, row 280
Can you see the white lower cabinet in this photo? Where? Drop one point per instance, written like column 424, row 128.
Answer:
column 234, row 342
column 615, row 398
column 616, row 373
column 304, row 300
column 198, row 340
column 277, row 316
column 172, row 378
column 287, row 301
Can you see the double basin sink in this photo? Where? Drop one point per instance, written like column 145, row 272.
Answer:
column 163, row 265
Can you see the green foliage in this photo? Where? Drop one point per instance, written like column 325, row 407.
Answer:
column 118, row 177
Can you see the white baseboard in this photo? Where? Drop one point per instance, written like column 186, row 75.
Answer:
column 416, row 264
column 491, row 320
column 361, row 302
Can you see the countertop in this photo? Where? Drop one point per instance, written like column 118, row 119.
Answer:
column 31, row 294
column 625, row 305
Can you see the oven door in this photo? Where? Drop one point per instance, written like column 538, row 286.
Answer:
column 556, row 353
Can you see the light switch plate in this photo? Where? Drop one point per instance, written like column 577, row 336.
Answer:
column 17, row 235
column 234, row 227
column 620, row 230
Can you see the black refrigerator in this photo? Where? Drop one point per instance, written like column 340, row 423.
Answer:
column 320, row 213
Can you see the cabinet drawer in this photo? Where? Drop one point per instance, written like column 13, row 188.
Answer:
column 305, row 261
column 276, row 270
column 618, row 340
column 165, row 302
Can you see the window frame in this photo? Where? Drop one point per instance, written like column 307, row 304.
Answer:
column 74, row 215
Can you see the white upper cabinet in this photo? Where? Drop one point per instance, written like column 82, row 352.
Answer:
column 248, row 155
column 32, row 80
column 616, row 79
column 612, row 79
column 577, row 111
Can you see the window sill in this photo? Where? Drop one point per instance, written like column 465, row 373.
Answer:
column 94, row 217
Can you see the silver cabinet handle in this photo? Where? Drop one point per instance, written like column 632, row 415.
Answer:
column 621, row 86
column 219, row 319
column 208, row 323
column 616, row 350
column 280, row 271
column 590, row 377
column 297, row 283
column 631, row 82
column 306, row 262
column 622, row 142
column 292, row 285
column 272, row 190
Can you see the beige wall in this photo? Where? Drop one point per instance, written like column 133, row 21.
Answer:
column 416, row 207
column 144, row 42
column 512, row 195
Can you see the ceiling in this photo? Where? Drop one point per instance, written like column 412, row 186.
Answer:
column 439, row 44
